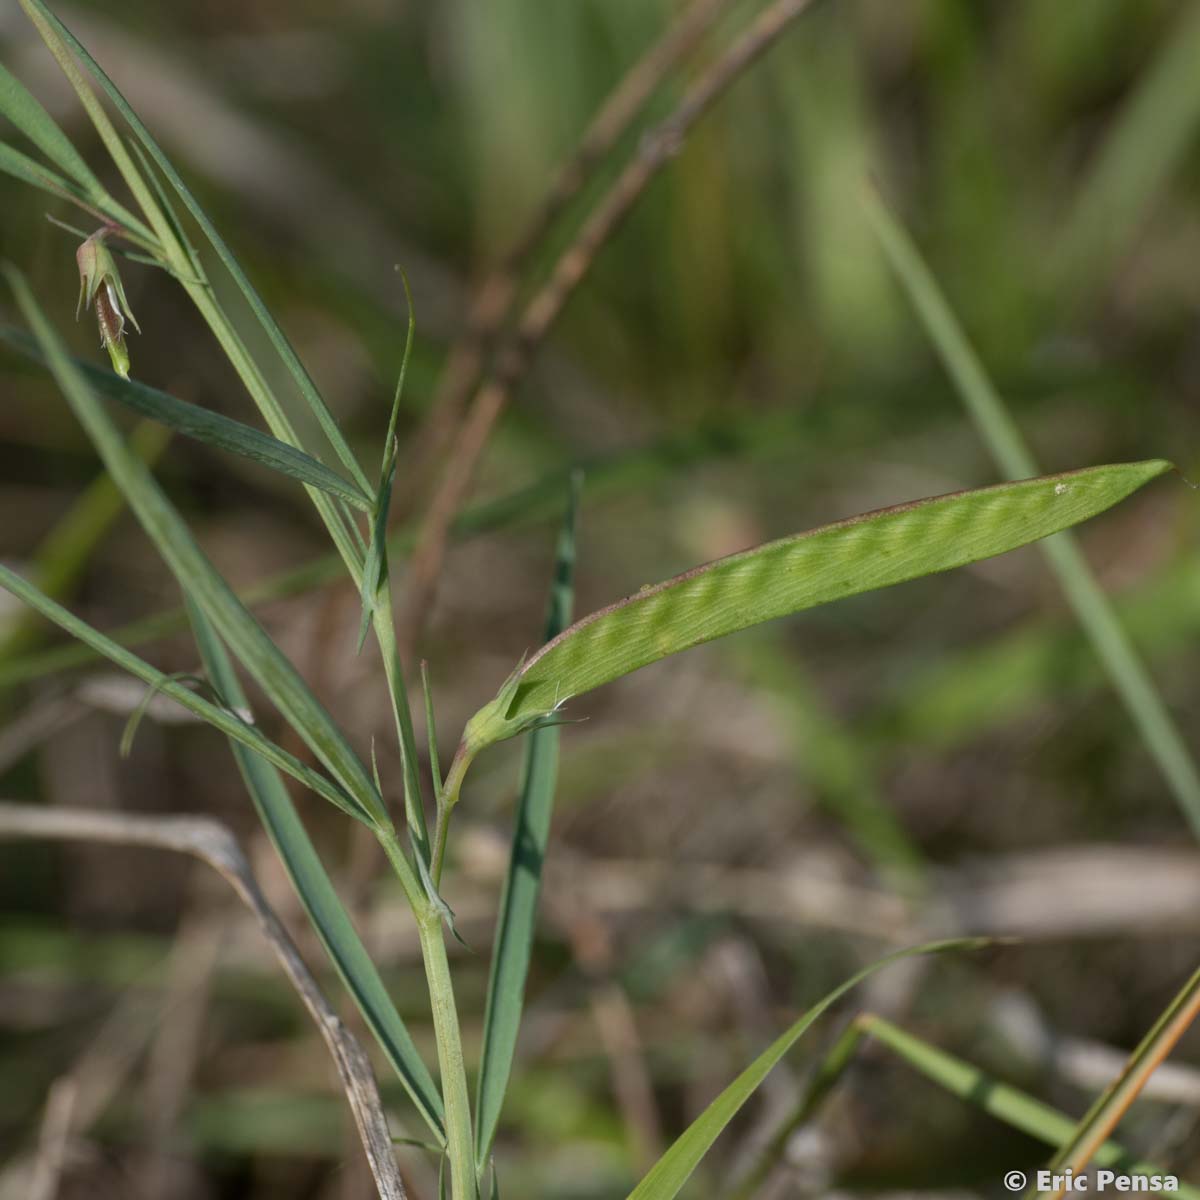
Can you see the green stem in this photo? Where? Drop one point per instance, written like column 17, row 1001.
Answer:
column 459, row 1137
column 459, row 1134
column 446, row 800
column 414, row 892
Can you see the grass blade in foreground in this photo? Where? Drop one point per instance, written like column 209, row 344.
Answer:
column 196, row 575
column 220, row 718
column 1092, row 1132
column 66, row 550
column 206, row 426
column 672, row 1171
column 874, row 550
column 1004, row 440
column 518, row 905
column 326, row 912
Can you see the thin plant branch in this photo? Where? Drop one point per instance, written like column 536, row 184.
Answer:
column 213, row 843
column 660, row 144
column 494, row 298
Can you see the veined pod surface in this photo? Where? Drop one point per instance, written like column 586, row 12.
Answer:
column 874, row 550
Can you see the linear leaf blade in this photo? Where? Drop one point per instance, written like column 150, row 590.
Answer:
column 874, row 550
column 51, row 27
column 1002, row 1101
column 220, row 718
column 27, row 170
column 206, row 426
column 518, row 905
column 325, row 910
column 1116, row 652
column 25, row 111
column 673, row 1170
column 197, row 576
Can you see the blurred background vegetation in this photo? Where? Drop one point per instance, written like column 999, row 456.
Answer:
column 736, row 828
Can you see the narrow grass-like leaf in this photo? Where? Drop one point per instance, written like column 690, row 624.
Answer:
column 866, row 552
column 170, row 213
column 1015, row 1108
column 375, row 562
column 197, row 576
column 24, row 110
column 377, row 611
column 1101, row 1119
column 67, row 548
column 220, row 718
column 1000, row 433
column 673, row 1170
column 27, row 170
column 206, row 426
column 51, row 27
column 518, row 905
column 431, row 737
column 180, row 260
column 964, row 1080
column 134, row 723
column 435, row 898
column 325, row 910
column 374, row 576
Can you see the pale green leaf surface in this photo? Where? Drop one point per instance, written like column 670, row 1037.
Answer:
column 672, row 1171
column 866, row 552
column 206, row 426
column 325, row 910
column 518, row 905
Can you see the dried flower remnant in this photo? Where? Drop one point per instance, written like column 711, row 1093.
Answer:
column 99, row 280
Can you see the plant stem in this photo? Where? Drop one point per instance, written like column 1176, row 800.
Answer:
column 459, row 1135
column 446, row 800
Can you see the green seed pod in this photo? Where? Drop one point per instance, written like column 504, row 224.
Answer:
column 99, row 280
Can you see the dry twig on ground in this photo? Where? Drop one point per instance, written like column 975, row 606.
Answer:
column 215, row 844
